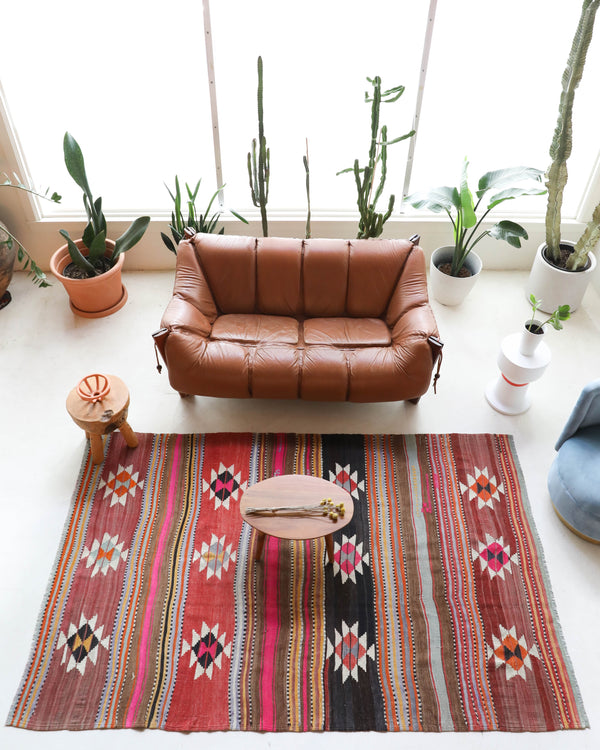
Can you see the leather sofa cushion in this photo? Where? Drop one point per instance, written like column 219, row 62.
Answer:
column 277, row 329
column 347, row 332
column 301, row 278
column 255, row 329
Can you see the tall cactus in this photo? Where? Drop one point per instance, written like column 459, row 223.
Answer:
column 259, row 167
column 307, row 170
column 370, row 222
column 562, row 141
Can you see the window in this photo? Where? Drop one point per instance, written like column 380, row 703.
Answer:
column 131, row 85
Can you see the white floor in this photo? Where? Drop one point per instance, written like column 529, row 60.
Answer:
column 45, row 350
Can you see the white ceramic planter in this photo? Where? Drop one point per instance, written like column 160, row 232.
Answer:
column 530, row 340
column 509, row 393
column 557, row 287
column 451, row 290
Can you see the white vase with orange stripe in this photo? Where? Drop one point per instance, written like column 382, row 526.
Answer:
column 523, row 359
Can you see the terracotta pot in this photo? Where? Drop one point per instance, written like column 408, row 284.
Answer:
column 555, row 287
column 452, row 290
column 91, row 298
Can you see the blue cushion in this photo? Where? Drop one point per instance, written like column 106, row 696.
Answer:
column 574, row 482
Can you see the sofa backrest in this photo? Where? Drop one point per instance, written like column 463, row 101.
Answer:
column 301, row 278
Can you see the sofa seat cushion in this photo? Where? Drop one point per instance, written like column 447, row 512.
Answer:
column 346, row 332
column 255, row 329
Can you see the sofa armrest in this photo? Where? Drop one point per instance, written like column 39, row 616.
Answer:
column 191, row 284
column 183, row 315
column 411, row 289
column 417, row 330
column 417, row 322
column 180, row 317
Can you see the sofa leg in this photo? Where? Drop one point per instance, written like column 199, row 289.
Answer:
column 414, row 400
column 184, row 395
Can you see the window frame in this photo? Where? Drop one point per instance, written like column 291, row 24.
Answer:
column 39, row 233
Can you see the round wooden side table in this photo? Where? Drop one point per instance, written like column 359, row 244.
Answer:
column 295, row 490
column 102, row 417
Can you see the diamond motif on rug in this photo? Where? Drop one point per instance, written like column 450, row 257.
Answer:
column 104, row 555
column 122, row 484
column 206, row 650
column 483, row 487
column 348, row 558
column 494, row 556
column 514, row 654
column 351, row 651
column 347, row 479
column 81, row 643
column 224, row 485
column 214, row 557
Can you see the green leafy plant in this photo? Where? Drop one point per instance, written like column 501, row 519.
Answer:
column 34, row 272
column 560, row 150
column 199, row 222
column 259, row 162
column 462, row 208
column 562, row 312
column 94, row 237
column 370, row 222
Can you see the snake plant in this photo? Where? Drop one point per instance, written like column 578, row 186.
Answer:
column 94, row 235
column 199, row 222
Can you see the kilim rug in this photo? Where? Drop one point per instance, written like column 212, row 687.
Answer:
column 436, row 614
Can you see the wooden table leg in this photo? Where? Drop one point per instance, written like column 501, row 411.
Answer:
column 97, row 447
column 129, row 435
column 260, row 543
column 329, row 545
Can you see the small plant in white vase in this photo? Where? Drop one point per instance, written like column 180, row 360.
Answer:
column 562, row 312
column 534, row 329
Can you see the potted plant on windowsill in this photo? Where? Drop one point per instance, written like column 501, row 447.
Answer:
column 562, row 270
column 371, row 222
column 90, row 268
column 455, row 268
column 199, row 222
column 11, row 249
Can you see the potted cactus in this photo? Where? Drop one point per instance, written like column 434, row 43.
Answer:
column 371, row 222
column 259, row 163
column 90, row 268
column 562, row 270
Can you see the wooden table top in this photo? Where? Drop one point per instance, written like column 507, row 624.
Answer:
column 295, row 489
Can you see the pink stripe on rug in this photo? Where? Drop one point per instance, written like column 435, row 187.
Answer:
column 272, row 624
column 148, row 619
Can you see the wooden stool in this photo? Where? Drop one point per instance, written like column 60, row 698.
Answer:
column 102, row 417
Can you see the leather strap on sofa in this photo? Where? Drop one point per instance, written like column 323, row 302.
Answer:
column 437, row 355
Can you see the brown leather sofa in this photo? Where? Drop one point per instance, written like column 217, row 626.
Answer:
column 322, row 319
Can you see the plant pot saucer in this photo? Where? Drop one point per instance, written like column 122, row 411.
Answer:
column 101, row 313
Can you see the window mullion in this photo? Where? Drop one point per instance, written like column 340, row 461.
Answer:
column 420, row 92
column 210, row 69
